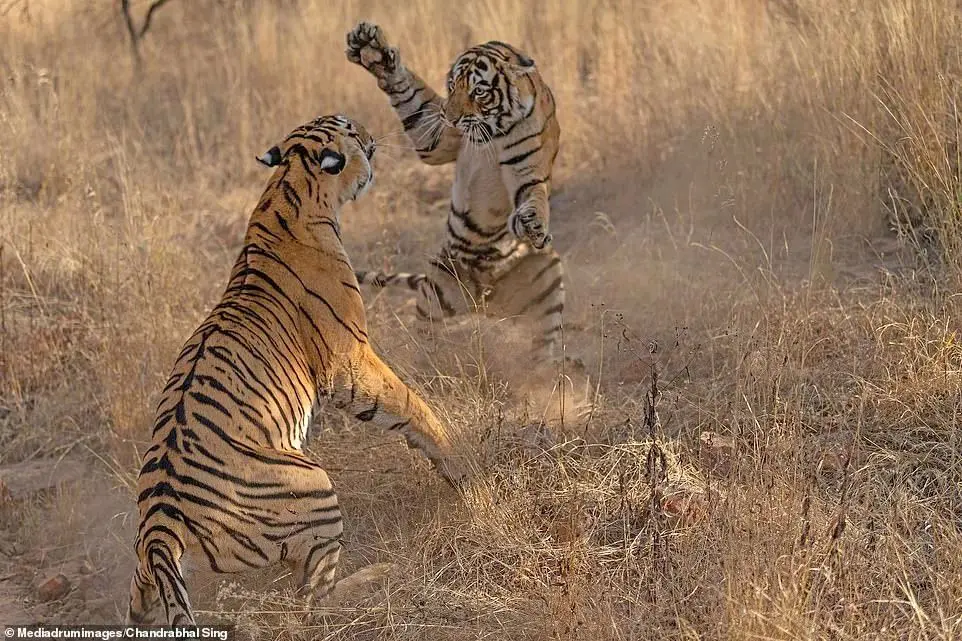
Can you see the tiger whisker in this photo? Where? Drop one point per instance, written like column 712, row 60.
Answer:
column 433, row 131
column 391, row 134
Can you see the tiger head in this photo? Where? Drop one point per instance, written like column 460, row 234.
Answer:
column 333, row 146
column 489, row 90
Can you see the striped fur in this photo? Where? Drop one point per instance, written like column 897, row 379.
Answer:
column 498, row 125
column 225, row 482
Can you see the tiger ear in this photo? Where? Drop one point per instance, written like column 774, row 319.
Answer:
column 332, row 162
column 525, row 64
column 271, row 157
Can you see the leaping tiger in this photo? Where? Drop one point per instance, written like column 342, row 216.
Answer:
column 498, row 124
column 225, row 482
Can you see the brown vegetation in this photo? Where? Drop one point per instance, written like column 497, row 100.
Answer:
column 730, row 178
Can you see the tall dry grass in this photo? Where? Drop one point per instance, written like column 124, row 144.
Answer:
column 730, row 176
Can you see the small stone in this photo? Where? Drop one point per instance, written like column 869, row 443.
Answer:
column 684, row 507
column 54, row 588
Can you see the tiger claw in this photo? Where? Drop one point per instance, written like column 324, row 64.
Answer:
column 528, row 226
column 451, row 472
column 542, row 242
column 367, row 46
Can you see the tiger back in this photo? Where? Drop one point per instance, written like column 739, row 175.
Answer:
column 225, row 482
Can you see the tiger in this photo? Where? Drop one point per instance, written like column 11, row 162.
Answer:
column 498, row 125
column 225, row 483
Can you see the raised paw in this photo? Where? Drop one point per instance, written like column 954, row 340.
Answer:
column 368, row 47
column 526, row 225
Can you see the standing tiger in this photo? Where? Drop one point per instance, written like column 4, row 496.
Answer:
column 498, row 124
column 225, row 482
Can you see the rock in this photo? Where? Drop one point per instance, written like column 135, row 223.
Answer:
column 54, row 588
column 684, row 507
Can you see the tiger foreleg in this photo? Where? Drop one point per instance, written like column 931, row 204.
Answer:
column 417, row 105
column 529, row 220
column 527, row 225
column 374, row 394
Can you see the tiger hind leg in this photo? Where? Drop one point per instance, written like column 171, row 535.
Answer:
column 159, row 580
column 312, row 553
column 535, row 288
column 316, row 567
column 144, row 603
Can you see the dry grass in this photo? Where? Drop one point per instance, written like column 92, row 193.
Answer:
column 730, row 174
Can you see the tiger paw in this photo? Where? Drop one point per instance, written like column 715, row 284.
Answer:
column 367, row 46
column 452, row 471
column 526, row 225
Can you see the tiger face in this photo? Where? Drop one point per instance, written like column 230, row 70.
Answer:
column 335, row 146
column 488, row 91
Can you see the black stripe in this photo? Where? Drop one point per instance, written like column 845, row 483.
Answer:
column 304, row 527
column 360, row 336
column 245, row 377
column 245, row 316
column 207, row 453
column 221, row 474
column 283, row 224
column 555, row 284
column 258, row 303
column 473, row 227
column 149, row 536
column 288, row 494
column 275, row 365
column 310, row 565
column 520, row 193
column 554, row 261
column 246, row 450
column 516, row 159
column 330, row 223
column 534, row 135
column 204, row 399
column 414, row 94
column 412, row 121
column 306, row 159
column 290, row 195
column 205, row 379
column 318, row 334
column 456, row 236
column 173, row 578
column 446, row 307
column 263, row 229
